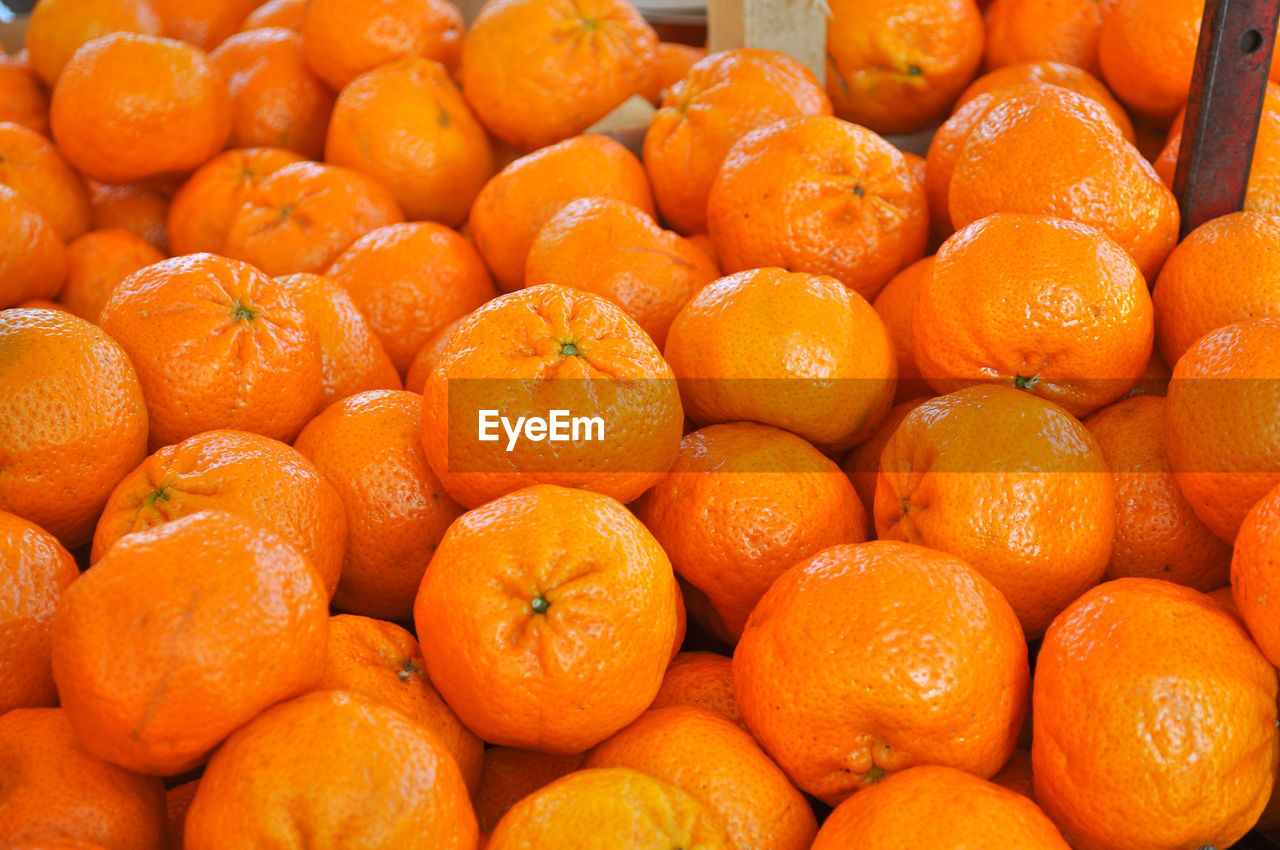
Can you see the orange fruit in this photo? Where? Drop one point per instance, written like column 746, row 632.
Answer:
column 177, row 801
column 410, row 280
column 842, row 683
column 96, row 263
column 23, row 99
column 136, row 207
column 558, row 599
column 367, row 447
column 721, row 99
column 896, row 67
column 343, row 39
column 182, row 633
column 1054, row 74
column 132, row 106
column 217, row 344
column 55, row 790
column 742, row 504
column 944, row 152
column 32, row 167
column 1253, row 574
column 940, row 808
column 526, row 354
column 538, row 71
column 514, row 205
column 862, row 463
column 674, row 61
column 1002, row 514
column 253, row 476
column 615, row 250
column 34, row 263
column 895, row 304
column 276, row 100
column 407, row 126
column 356, row 773
column 57, row 29
column 1016, row 775
column 797, row 351
column 703, row 680
column 1147, row 49
column 288, row 14
column 1060, row 31
column 509, row 775
column 822, row 196
column 428, row 356
column 204, row 23
column 72, row 420
column 1141, row 654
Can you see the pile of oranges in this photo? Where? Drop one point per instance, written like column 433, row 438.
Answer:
column 388, row 461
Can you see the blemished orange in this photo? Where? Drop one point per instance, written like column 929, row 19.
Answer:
column 247, row 474
column 674, row 61
column 55, row 789
column 23, row 99
column 1117, row 660
column 136, row 207
column 701, row 679
column 1055, row 74
column 177, row 802
column 1221, row 392
column 895, row 304
column 539, row 71
column 862, row 463
column 896, row 67
column 96, row 263
column 1061, row 31
column 616, row 250
column 721, row 99
column 797, row 351
column 1158, row 535
column 72, row 420
column 132, row 106
column 276, row 100
column 383, row 663
column 515, row 204
column 742, row 504
column 57, row 28
column 182, row 633
column 367, row 447
column 940, row 808
column 217, row 344
column 204, row 23
column 410, row 280
column 822, row 196
column 343, row 39
column 509, row 775
column 842, row 683
column 34, row 263
column 406, row 125
column 1146, row 50
column 32, row 167
column 1003, row 512
column 1254, row 576
column 1017, row 774
column 299, row 218
column 356, row 773
column 558, row 599
column 288, row 14
column 34, row 571
column 415, row 380
column 542, row 349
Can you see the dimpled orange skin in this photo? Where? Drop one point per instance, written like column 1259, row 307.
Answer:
column 1042, row 304
column 702, row 679
column 1064, row 31
column 138, row 207
column 32, row 167
column 57, row 28
column 132, row 106
column 23, row 99
column 509, row 775
column 424, row 362
column 793, row 350
column 818, row 195
column 201, row 212
column 1054, row 74
column 345, row 38
column 742, row 504
column 332, row 769
column 182, row 633
column 895, row 305
column 841, row 683
column 1033, row 512
column 96, row 263
column 72, row 420
column 34, row 264
column 1255, row 581
column 940, row 808
column 217, row 345
column 53, row 787
column 1147, row 49
column 541, row 349
column 1144, row 684
column 862, row 463
column 721, row 99
column 1219, row 429
column 586, row 666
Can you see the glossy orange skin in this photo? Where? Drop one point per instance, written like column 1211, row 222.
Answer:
column 896, row 67
column 1144, row 684
column 200, row 215
column 288, row 14
column 177, row 802
column 1253, row 574
column 822, row 196
column 793, row 350
column 1065, row 31
column 703, row 680
column 1054, row 74
column 840, row 682
column 217, row 345
column 23, row 99
column 73, row 423
column 721, row 99
column 204, row 23
column 181, row 634
column 34, row 571
column 96, row 263
column 358, row 774
column 1016, row 775
column 58, row 28
column 862, row 463
column 34, row 264
column 136, row 207
column 407, row 126
column 674, row 61
column 940, row 808
column 1146, row 49
column 367, row 447
column 509, row 775
column 615, row 250
column 55, row 789
column 514, row 205
column 944, row 152
column 345, row 38
column 32, row 167
column 1007, row 514
column 742, row 504
column 597, row 659
column 132, row 106
column 538, row 71
column 410, row 280
column 895, row 304
column 276, row 100
column 428, row 356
